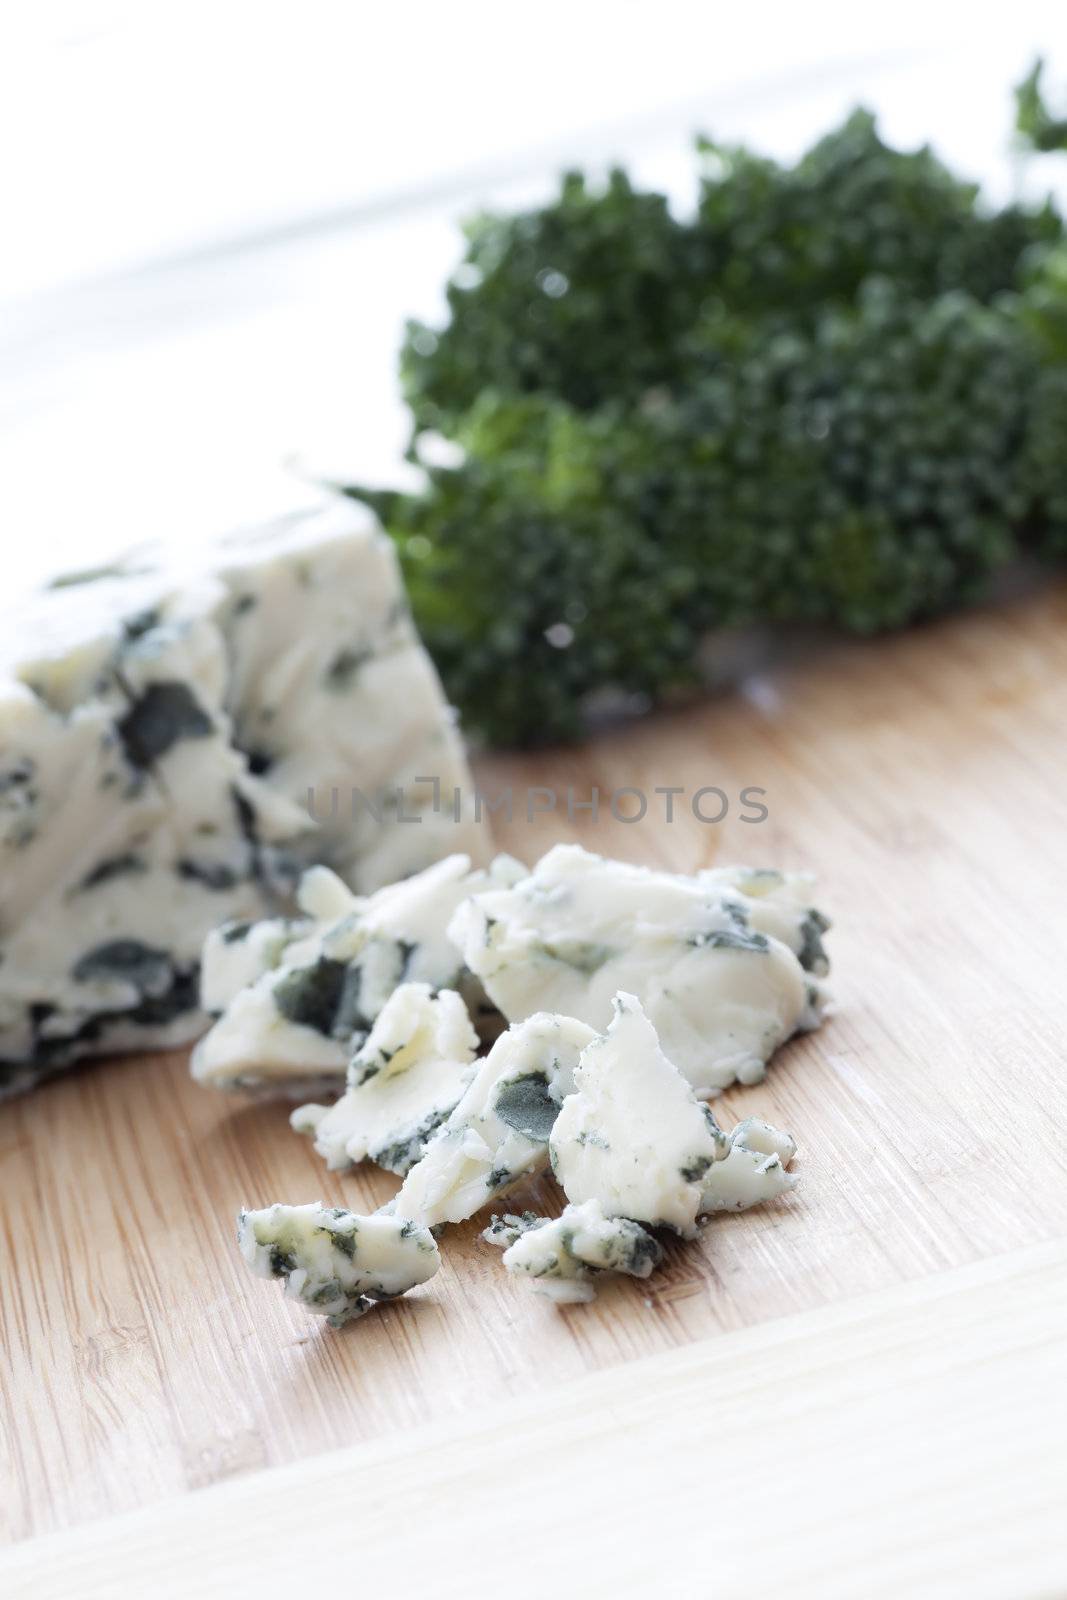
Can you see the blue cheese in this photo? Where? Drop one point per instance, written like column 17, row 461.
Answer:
column 633, row 1136
column 301, row 1021
column 753, row 1170
column 565, row 1255
column 335, row 1263
column 236, row 954
column 499, row 1130
column 722, row 989
column 778, row 904
column 180, row 736
column 402, row 1084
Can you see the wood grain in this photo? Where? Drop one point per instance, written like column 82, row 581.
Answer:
column 921, row 778
column 911, row 1442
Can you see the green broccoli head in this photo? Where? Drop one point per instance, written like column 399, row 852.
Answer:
column 774, row 238
column 1044, row 464
column 835, row 395
column 885, row 445
column 862, row 473
column 597, row 297
column 1039, row 128
column 536, row 585
column 584, row 299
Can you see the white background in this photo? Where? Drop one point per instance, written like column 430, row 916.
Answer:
column 216, row 216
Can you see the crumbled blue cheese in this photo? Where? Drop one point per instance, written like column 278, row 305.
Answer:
column 499, row 1130
column 563, row 1256
column 301, row 1021
column 179, row 737
column 779, row 904
column 633, row 1136
column 402, row 1083
column 337, row 1264
column 236, row 954
column 754, row 1168
column 722, row 992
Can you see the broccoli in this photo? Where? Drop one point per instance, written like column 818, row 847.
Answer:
column 865, row 473
column 585, row 299
column 1039, row 129
column 884, row 449
column 534, row 580
column 801, row 238
column 828, row 397
column 596, row 297
column 1045, row 456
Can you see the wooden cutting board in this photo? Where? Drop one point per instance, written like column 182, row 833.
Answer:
column 922, row 779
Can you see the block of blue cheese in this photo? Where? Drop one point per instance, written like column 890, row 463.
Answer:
column 180, row 737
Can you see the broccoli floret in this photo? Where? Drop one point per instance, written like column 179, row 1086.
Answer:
column 586, row 298
column 1044, row 303
column 864, row 473
column 595, row 297
column 881, row 456
column 800, row 238
column 1038, row 127
column 1043, row 311
column 1045, row 462
column 834, row 395
column 534, row 580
